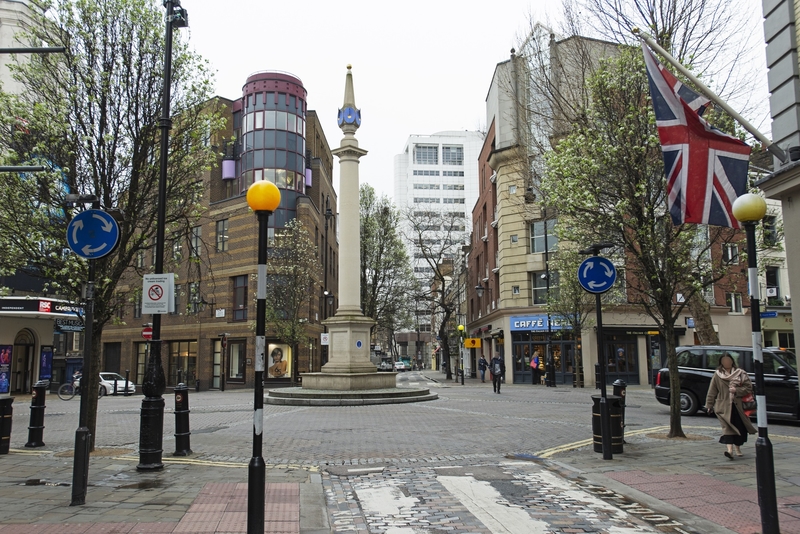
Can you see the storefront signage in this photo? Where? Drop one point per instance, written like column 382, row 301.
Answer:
column 538, row 323
column 39, row 306
column 472, row 343
column 69, row 325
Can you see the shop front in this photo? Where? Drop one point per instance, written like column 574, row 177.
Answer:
column 548, row 338
column 27, row 350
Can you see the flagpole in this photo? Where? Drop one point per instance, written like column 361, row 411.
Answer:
column 769, row 145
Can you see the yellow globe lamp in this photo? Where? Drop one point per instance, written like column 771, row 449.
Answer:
column 749, row 208
column 263, row 195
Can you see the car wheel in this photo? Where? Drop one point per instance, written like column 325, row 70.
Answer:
column 689, row 404
column 102, row 392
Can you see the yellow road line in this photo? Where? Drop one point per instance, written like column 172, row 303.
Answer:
column 211, row 463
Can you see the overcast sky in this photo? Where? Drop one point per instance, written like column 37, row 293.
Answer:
column 419, row 67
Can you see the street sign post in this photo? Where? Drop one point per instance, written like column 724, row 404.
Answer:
column 92, row 234
column 597, row 275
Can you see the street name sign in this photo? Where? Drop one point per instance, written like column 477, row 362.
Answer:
column 597, row 274
column 92, row 234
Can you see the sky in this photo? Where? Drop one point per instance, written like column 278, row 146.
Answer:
column 419, row 67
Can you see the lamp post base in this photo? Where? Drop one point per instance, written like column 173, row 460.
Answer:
column 765, row 478
column 150, row 434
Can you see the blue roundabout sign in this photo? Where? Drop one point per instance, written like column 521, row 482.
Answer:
column 597, row 274
column 92, row 234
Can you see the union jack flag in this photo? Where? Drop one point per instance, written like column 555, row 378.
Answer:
column 706, row 169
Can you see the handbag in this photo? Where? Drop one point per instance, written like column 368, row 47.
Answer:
column 749, row 404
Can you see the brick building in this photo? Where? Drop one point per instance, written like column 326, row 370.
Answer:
column 269, row 135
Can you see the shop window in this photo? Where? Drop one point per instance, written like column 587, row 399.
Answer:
column 237, row 361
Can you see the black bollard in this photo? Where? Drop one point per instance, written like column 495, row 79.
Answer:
column 115, row 387
column 36, row 427
column 6, row 415
column 127, row 372
column 182, row 421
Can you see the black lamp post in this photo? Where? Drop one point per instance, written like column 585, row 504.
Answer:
column 327, row 295
column 749, row 209
column 461, row 350
column 151, row 423
column 263, row 197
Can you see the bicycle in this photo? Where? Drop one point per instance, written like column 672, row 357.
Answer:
column 70, row 389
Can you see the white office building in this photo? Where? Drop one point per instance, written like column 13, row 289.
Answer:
column 437, row 172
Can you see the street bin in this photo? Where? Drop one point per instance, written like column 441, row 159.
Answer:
column 615, row 411
column 6, row 415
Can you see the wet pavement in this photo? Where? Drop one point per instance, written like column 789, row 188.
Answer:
column 471, row 462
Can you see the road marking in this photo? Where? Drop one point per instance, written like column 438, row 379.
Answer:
column 385, row 501
column 365, row 470
column 491, row 508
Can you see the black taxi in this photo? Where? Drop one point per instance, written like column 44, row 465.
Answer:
column 696, row 366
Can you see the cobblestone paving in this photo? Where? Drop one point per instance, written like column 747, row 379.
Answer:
column 428, row 499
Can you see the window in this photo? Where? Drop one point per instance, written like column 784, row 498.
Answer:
column 730, row 253
column 734, row 302
column 194, row 297
column 453, row 187
column 177, row 247
column 515, row 290
column 222, row 235
column 452, row 200
column 770, row 230
column 426, row 186
column 177, row 303
column 182, row 362
column 450, row 173
column 773, row 286
column 427, row 173
column 140, row 259
column 240, row 298
column 425, row 200
column 426, row 154
column 539, row 288
column 237, row 361
column 691, row 358
column 452, row 155
column 137, row 305
column 514, row 238
column 538, row 232
column 155, row 253
column 195, row 240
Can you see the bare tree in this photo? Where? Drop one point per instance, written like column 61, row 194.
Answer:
column 436, row 237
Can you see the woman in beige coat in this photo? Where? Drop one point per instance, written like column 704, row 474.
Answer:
column 728, row 385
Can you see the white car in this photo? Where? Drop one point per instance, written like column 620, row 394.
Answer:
column 107, row 384
column 399, row 366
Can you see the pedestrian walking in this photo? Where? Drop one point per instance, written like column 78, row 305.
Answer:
column 728, row 385
column 498, row 370
column 536, row 375
column 482, row 365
